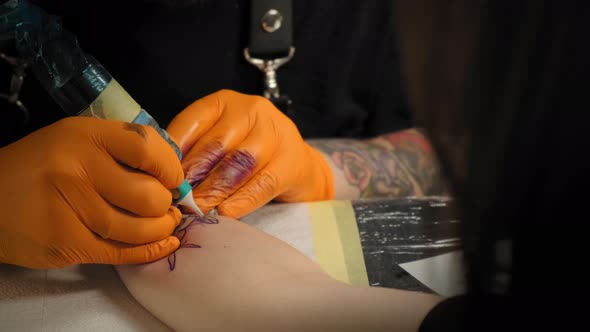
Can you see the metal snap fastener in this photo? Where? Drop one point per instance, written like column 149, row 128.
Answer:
column 271, row 20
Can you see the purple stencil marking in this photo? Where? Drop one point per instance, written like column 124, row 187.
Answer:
column 236, row 168
column 199, row 166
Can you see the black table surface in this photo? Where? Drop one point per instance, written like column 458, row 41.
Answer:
column 397, row 231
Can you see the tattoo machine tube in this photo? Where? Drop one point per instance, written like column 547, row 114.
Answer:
column 75, row 80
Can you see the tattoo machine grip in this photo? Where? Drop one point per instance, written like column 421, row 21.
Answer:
column 75, row 80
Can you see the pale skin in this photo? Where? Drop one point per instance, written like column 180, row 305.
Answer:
column 241, row 279
column 393, row 165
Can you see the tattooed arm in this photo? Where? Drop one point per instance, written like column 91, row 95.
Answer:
column 229, row 276
column 394, row 165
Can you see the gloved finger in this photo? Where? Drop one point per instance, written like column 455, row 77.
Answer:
column 259, row 190
column 211, row 149
column 248, row 158
column 319, row 177
column 131, row 190
column 190, row 124
column 127, row 228
column 143, row 148
column 119, row 254
column 114, row 223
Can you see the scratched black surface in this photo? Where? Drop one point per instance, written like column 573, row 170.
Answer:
column 393, row 232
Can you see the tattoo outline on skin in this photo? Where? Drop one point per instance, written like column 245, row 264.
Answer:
column 187, row 223
column 394, row 165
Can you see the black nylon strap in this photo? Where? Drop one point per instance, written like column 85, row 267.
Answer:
column 265, row 44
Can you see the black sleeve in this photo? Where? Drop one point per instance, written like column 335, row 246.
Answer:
column 445, row 316
column 462, row 313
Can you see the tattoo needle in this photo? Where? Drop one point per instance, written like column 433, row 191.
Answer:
column 183, row 195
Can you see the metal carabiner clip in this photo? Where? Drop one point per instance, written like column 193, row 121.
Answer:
column 269, row 68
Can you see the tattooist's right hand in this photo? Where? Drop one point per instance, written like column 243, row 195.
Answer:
column 85, row 190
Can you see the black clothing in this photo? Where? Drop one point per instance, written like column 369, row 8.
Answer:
column 501, row 88
column 344, row 79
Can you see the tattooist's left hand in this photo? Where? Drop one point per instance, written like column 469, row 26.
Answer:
column 240, row 152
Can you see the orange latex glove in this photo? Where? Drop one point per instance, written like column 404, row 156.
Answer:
column 240, row 152
column 67, row 197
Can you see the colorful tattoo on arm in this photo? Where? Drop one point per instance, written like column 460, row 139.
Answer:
column 181, row 233
column 394, row 165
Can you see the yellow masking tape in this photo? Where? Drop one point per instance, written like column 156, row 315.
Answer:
column 327, row 247
column 349, row 237
column 114, row 103
column 336, row 241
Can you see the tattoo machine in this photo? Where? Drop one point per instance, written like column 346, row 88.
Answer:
column 75, row 80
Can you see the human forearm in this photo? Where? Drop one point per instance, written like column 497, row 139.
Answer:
column 221, row 286
column 241, row 279
column 393, row 165
column 330, row 305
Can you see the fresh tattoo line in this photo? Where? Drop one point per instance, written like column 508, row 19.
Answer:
column 181, row 232
column 394, row 165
